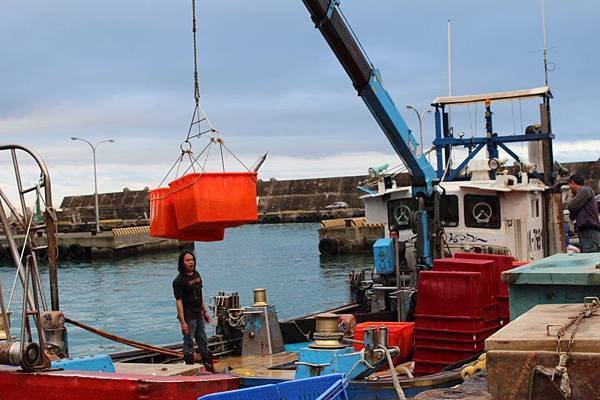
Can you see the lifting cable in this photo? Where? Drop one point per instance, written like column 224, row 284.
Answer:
column 199, row 117
column 128, row 342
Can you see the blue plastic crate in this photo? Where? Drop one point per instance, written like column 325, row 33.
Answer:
column 327, row 387
column 266, row 392
column 316, row 388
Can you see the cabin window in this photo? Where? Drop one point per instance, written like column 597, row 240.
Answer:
column 400, row 212
column 482, row 211
column 449, row 210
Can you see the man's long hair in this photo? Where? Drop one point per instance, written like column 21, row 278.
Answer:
column 180, row 266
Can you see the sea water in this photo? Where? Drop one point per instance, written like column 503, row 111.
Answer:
column 133, row 297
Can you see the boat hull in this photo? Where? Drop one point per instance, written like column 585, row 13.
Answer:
column 382, row 389
column 81, row 385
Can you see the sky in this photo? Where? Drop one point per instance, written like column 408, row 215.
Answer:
column 269, row 83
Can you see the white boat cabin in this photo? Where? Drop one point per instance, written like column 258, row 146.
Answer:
column 498, row 216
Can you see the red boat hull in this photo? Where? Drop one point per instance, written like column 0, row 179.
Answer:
column 83, row 385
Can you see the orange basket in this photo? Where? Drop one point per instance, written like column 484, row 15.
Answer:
column 214, row 200
column 163, row 222
column 162, row 214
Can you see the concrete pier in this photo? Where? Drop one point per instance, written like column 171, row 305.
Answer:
column 118, row 242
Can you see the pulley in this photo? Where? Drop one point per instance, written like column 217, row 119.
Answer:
column 28, row 359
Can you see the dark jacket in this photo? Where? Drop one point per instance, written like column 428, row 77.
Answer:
column 584, row 209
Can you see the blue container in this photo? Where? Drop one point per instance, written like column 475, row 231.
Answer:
column 558, row 279
column 327, row 387
column 384, row 256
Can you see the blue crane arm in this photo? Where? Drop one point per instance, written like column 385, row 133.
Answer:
column 367, row 82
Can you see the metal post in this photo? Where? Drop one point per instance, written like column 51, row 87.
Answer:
column 420, row 117
column 94, row 147
column 96, row 192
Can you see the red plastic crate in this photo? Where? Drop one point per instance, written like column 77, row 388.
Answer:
column 516, row 264
column 424, row 367
column 503, row 263
column 455, row 335
column 450, row 294
column 487, row 320
column 450, row 344
column 400, row 334
column 487, row 268
column 504, row 308
column 443, row 356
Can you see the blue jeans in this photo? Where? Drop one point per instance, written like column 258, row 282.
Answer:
column 198, row 334
column 589, row 240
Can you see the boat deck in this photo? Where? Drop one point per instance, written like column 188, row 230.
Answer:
column 179, row 369
column 277, row 366
column 263, row 366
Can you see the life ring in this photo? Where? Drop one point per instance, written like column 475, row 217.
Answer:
column 76, row 252
column 328, row 246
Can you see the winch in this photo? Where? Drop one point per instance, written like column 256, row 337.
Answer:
column 328, row 353
column 26, row 355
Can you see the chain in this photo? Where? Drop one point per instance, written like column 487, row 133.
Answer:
column 527, row 366
column 564, row 384
column 196, row 84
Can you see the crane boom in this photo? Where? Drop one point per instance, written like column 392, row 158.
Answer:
column 367, row 82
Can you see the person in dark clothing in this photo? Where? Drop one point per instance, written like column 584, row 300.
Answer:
column 583, row 210
column 191, row 310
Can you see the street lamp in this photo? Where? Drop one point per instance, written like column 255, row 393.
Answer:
column 421, row 117
column 94, row 147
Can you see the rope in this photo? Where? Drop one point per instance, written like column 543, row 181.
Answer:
column 198, row 117
column 128, row 342
column 394, row 374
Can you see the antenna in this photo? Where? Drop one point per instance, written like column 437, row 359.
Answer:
column 449, row 69
column 545, row 43
column 450, row 58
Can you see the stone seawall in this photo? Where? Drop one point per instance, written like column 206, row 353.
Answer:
column 298, row 200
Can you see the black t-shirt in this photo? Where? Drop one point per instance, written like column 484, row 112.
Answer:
column 188, row 289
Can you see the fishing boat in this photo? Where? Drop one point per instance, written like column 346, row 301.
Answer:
column 476, row 208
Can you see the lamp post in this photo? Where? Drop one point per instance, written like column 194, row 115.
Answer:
column 420, row 116
column 94, row 147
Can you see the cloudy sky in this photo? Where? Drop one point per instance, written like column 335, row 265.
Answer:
column 123, row 70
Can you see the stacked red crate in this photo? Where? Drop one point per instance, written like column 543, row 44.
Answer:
column 455, row 313
column 487, row 268
column 502, row 263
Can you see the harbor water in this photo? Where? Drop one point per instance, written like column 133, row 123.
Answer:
column 133, row 297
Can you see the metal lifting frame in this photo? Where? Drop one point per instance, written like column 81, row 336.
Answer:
column 31, row 229
column 445, row 140
column 25, row 353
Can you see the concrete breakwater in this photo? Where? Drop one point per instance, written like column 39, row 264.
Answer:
column 299, row 200
column 124, row 216
column 294, row 200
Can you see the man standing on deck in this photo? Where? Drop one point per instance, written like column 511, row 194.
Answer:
column 191, row 310
column 583, row 211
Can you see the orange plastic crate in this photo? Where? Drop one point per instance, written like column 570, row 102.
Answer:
column 214, row 200
column 163, row 222
column 400, row 334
